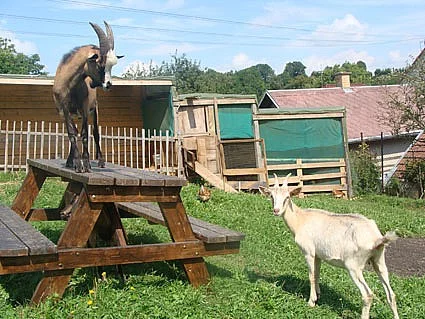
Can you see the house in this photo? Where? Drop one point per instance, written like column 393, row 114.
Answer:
column 364, row 108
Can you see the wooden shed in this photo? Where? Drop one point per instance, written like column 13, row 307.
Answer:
column 219, row 141
column 30, row 126
column 25, row 98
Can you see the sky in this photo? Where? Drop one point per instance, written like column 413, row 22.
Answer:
column 223, row 35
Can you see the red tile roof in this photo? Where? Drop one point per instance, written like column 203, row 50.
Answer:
column 362, row 104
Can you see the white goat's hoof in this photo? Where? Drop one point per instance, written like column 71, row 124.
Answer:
column 311, row 303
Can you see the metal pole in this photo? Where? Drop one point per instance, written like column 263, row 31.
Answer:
column 382, row 163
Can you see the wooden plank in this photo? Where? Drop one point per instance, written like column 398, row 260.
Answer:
column 36, row 242
column 291, row 116
column 10, row 245
column 243, row 171
column 212, row 178
column 57, row 167
column 276, row 167
column 112, row 174
column 68, row 259
column 207, row 232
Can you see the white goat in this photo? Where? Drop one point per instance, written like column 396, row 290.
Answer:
column 342, row 240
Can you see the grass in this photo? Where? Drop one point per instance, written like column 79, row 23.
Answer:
column 267, row 279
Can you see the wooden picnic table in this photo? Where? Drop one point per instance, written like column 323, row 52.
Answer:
column 95, row 203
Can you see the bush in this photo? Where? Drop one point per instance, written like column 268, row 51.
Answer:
column 414, row 175
column 364, row 171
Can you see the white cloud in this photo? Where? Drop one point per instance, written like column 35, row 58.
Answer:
column 281, row 13
column 21, row 46
column 317, row 63
column 241, row 61
column 346, row 29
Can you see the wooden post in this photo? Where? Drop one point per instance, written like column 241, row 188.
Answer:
column 6, row 147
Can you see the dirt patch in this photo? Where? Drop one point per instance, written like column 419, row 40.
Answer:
column 406, row 257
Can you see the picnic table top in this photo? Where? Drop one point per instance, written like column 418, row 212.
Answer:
column 111, row 174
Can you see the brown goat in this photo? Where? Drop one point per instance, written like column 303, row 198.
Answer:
column 78, row 75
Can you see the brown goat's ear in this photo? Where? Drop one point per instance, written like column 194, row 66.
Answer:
column 295, row 191
column 94, row 57
column 264, row 190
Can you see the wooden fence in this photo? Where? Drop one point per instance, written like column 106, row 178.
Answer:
column 314, row 177
column 132, row 147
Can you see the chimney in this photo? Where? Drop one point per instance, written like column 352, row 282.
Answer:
column 343, row 79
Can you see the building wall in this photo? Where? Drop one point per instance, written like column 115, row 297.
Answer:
column 119, row 107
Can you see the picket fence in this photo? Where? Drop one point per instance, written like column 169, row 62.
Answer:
column 133, row 147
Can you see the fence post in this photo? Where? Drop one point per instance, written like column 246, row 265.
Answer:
column 42, row 139
column 13, row 146
column 6, row 150
column 28, row 144
column 143, row 149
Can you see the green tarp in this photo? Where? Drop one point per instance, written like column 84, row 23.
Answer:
column 235, row 121
column 302, row 138
column 158, row 114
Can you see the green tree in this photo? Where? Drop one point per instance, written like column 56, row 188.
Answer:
column 405, row 108
column 12, row 62
column 185, row 71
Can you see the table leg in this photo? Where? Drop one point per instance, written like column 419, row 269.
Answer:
column 28, row 192
column 76, row 234
column 69, row 197
column 180, row 230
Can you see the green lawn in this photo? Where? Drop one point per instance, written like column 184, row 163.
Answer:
column 267, row 279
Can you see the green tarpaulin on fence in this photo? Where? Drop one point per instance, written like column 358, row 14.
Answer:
column 312, row 138
column 235, row 121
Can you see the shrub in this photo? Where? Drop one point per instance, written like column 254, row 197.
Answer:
column 414, row 175
column 364, row 171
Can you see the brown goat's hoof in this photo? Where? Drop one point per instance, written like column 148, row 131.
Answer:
column 101, row 163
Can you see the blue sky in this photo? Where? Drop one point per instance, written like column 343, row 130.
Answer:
column 223, row 35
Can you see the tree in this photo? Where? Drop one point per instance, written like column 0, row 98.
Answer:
column 294, row 69
column 12, row 62
column 405, row 108
column 139, row 69
column 185, row 71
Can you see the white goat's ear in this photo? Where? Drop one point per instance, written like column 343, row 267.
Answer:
column 264, row 190
column 295, row 191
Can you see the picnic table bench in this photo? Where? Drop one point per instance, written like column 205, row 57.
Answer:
column 96, row 203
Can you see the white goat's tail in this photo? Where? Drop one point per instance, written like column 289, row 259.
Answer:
column 386, row 239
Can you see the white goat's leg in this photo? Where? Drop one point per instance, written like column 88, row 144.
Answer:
column 367, row 295
column 317, row 263
column 311, row 276
column 378, row 262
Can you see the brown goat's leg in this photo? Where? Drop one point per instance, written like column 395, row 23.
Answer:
column 85, row 140
column 99, row 156
column 74, row 158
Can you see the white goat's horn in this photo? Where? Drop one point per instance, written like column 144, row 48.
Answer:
column 104, row 42
column 285, row 181
column 110, row 35
column 276, row 180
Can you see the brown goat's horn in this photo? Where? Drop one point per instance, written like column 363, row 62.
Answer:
column 104, row 43
column 110, row 35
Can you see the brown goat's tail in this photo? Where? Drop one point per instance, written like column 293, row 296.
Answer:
column 386, row 239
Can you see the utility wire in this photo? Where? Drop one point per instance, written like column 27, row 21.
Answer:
column 238, row 36
column 199, row 18
column 309, row 44
column 272, row 38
